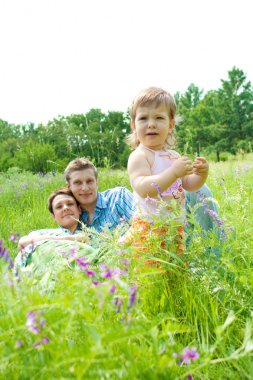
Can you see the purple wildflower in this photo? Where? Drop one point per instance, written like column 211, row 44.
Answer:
column 42, row 322
column 157, row 188
column 31, row 323
column 36, row 325
column 34, row 329
column 82, row 262
column 125, row 262
column 118, row 301
column 218, row 221
column 125, row 272
column 73, row 249
column 43, row 341
column 18, row 344
column 3, row 251
column 187, row 355
column 112, row 289
column 5, row 254
column 132, row 295
column 150, row 201
column 116, row 273
column 91, row 273
column 14, row 237
column 109, row 273
column 212, row 213
column 222, row 181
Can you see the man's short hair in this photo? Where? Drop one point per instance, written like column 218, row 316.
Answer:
column 79, row 164
column 61, row 191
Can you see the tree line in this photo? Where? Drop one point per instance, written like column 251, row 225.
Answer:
column 220, row 121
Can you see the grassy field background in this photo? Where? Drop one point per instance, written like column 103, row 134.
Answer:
column 189, row 318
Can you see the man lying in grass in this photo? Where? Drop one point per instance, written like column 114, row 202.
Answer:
column 66, row 211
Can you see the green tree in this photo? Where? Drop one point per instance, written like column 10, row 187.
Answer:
column 76, row 134
column 236, row 110
column 8, row 130
column 34, row 157
column 116, row 126
column 221, row 120
column 55, row 133
column 93, row 136
column 205, row 122
column 7, row 151
column 186, row 103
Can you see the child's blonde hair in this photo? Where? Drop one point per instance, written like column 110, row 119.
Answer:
column 155, row 96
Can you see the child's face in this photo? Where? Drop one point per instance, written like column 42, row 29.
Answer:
column 152, row 125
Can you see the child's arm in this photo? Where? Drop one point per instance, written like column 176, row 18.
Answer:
column 200, row 172
column 143, row 182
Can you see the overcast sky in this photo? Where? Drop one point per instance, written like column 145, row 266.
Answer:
column 59, row 57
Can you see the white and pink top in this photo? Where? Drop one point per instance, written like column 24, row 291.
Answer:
column 149, row 207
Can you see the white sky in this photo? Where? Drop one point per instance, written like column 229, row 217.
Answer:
column 59, row 57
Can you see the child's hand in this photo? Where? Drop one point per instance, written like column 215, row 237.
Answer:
column 200, row 166
column 182, row 166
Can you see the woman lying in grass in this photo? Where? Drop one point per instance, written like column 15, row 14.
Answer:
column 66, row 212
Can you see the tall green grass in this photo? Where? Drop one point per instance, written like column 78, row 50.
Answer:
column 89, row 330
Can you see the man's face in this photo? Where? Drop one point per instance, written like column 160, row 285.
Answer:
column 83, row 185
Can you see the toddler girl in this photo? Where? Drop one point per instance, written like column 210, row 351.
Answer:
column 155, row 170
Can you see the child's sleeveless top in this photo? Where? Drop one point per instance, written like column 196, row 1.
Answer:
column 146, row 207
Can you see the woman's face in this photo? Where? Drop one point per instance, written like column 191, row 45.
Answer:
column 66, row 212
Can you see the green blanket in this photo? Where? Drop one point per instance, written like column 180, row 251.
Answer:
column 53, row 257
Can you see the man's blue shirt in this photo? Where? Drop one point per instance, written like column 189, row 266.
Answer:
column 113, row 207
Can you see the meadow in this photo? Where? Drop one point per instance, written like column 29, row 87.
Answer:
column 188, row 318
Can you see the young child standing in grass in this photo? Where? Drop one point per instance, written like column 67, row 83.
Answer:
column 155, row 170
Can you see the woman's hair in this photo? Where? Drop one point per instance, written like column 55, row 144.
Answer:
column 62, row 191
column 79, row 164
column 152, row 96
